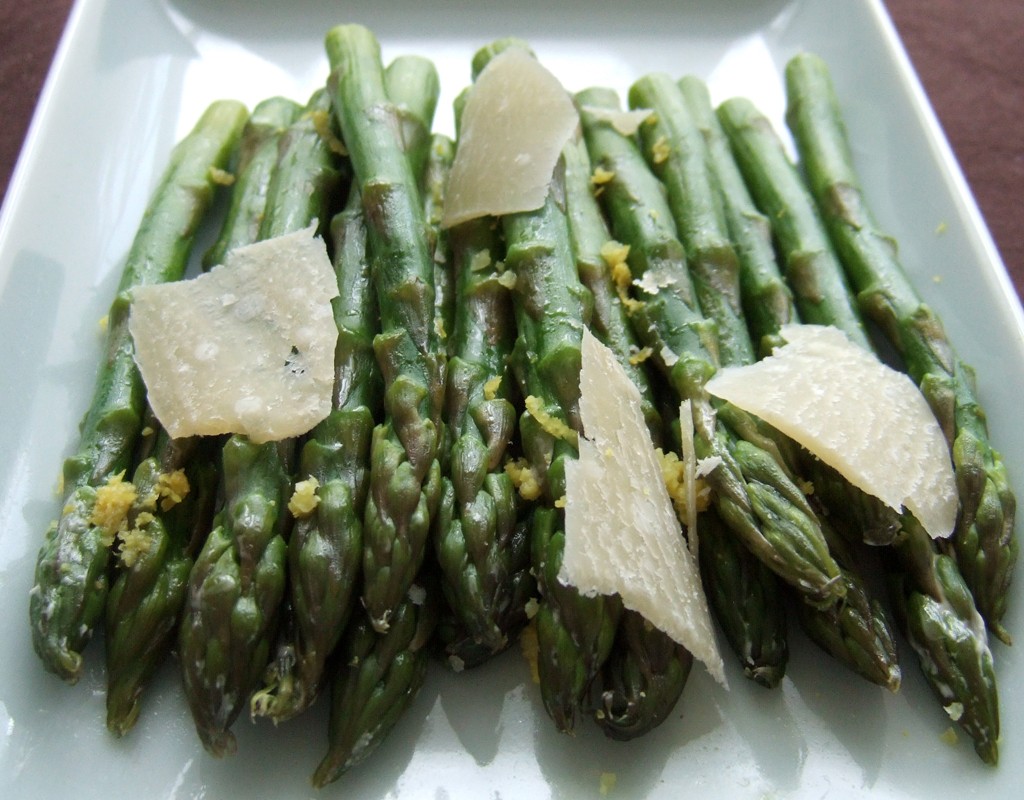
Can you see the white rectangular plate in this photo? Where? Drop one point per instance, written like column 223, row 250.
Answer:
column 131, row 77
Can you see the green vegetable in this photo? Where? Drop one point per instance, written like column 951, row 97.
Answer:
column 237, row 584
column 405, row 476
column 71, row 570
column 257, row 157
column 810, row 264
column 482, row 549
column 377, row 677
column 984, row 540
column 753, row 494
column 146, row 598
column 325, row 547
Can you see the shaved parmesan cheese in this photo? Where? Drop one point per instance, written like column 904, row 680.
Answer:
column 625, row 122
column 516, row 120
column 621, row 532
column 865, row 419
column 246, row 348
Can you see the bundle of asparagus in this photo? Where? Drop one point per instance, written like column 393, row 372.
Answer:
column 418, row 517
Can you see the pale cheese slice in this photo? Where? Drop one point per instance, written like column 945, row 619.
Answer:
column 246, row 348
column 860, row 416
column 622, row 535
column 515, row 122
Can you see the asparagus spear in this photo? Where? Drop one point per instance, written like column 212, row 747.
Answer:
column 70, row 580
column 645, row 673
column 378, row 676
column 642, row 678
column 405, row 478
column 482, row 550
column 609, row 319
column 811, row 266
column 257, row 155
column 325, row 547
column 176, row 490
column 752, row 492
column 937, row 616
column 412, row 85
column 765, row 297
column 854, row 630
column 238, row 581
column 678, row 157
column 984, row 541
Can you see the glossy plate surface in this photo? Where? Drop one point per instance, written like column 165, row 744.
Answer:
column 131, row 77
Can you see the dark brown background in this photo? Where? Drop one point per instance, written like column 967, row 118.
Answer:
column 969, row 56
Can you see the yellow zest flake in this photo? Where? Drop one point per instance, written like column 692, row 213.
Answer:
column 523, row 478
column 304, row 499
column 104, row 323
column 941, row 228
column 480, row 261
column 615, row 255
column 171, row 488
column 135, row 543
column 322, row 125
column 59, row 488
column 607, row 783
column 439, row 328
column 673, row 473
column 113, row 501
column 660, row 150
column 550, row 423
column 948, row 736
column 560, row 502
column 640, row 356
column 221, row 177
column 491, row 387
column 601, row 176
column 507, row 279
column 530, row 647
column 147, row 431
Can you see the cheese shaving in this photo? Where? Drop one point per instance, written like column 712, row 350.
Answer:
column 863, row 418
column 515, row 122
column 622, row 535
column 625, row 122
column 245, row 348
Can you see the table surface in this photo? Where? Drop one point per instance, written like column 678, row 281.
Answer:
column 969, row 56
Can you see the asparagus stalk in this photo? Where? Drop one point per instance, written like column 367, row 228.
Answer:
column 938, row 614
column 645, row 673
column 609, row 319
column 678, row 157
column 405, row 478
column 71, row 570
column 482, row 550
column 175, row 495
column 854, row 630
column 642, row 678
column 325, row 546
column 257, row 155
column 377, row 678
column 765, row 297
column 237, row 584
column 753, row 494
column 412, row 85
column 811, row 267
column 938, row 618
column 984, row 541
